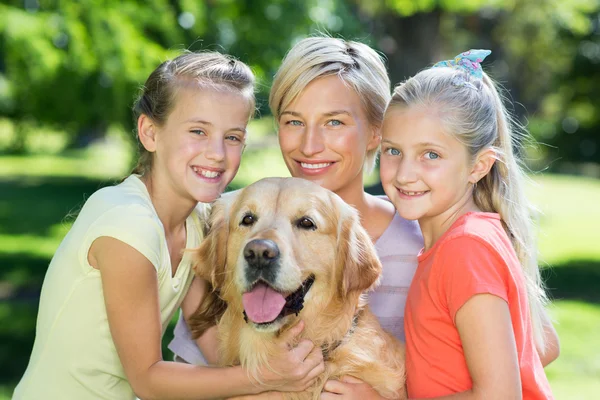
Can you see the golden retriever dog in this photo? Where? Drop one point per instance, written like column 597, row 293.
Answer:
column 283, row 249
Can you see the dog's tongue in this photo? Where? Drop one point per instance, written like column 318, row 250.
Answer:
column 262, row 304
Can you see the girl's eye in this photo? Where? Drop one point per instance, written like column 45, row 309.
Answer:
column 392, row 152
column 198, row 132
column 294, row 122
column 431, row 155
column 334, row 122
column 233, row 138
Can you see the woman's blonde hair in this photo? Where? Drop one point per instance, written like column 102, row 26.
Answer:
column 473, row 111
column 358, row 65
column 202, row 70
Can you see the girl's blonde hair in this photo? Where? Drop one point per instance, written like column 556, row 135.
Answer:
column 473, row 111
column 358, row 65
column 201, row 70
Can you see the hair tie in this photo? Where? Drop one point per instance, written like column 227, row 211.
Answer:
column 351, row 52
column 469, row 61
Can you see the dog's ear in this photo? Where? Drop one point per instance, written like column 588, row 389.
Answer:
column 209, row 264
column 358, row 266
column 211, row 257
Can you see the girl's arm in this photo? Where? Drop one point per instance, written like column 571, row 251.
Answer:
column 485, row 330
column 208, row 342
column 130, row 288
column 552, row 350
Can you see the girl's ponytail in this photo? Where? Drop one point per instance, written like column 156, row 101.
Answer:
column 502, row 190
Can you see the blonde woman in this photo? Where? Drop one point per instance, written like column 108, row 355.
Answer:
column 329, row 98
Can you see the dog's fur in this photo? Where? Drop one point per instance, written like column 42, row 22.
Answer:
column 338, row 252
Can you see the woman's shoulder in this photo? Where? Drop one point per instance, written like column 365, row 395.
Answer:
column 400, row 235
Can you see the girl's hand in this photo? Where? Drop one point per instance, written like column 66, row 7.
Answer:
column 293, row 369
column 348, row 387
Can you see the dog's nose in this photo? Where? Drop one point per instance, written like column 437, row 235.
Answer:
column 261, row 251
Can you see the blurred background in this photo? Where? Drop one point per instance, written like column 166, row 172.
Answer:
column 69, row 72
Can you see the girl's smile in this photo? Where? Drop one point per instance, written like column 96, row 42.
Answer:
column 211, row 175
column 411, row 194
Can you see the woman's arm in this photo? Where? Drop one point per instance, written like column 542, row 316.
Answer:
column 130, row 288
column 485, row 330
column 552, row 343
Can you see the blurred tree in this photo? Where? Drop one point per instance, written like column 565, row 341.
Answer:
column 76, row 63
column 546, row 53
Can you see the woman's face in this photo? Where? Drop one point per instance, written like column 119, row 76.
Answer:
column 324, row 134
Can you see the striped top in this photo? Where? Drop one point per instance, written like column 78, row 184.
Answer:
column 397, row 248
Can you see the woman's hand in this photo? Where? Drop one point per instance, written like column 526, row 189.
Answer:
column 348, row 388
column 292, row 368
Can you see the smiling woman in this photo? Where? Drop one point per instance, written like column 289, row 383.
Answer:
column 325, row 133
column 329, row 98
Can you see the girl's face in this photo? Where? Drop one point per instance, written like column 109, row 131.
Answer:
column 198, row 150
column 324, row 134
column 425, row 171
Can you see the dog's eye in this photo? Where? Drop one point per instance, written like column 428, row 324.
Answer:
column 248, row 220
column 306, row 223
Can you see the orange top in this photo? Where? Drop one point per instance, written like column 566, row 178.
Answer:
column 474, row 256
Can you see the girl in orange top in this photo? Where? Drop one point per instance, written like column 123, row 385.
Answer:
column 475, row 321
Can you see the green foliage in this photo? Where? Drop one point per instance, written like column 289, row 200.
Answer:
column 62, row 68
column 78, row 63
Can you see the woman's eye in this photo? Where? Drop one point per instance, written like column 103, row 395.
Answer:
column 233, row 138
column 392, row 152
column 431, row 155
column 306, row 223
column 334, row 122
column 198, row 131
column 248, row 220
column 294, row 122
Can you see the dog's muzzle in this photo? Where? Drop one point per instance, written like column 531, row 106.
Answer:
column 262, row 257
column 294, row 303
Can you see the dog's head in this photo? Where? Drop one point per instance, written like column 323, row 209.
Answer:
column 282, row 244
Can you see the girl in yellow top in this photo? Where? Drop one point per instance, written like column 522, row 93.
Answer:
column 119, row 276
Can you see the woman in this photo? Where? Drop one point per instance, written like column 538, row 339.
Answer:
column 329, row 98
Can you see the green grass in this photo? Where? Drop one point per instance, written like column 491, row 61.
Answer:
column 37, row 193
column 569, row 217
column 576, row 373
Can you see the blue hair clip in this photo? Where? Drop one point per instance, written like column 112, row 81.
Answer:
column 469, row 61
